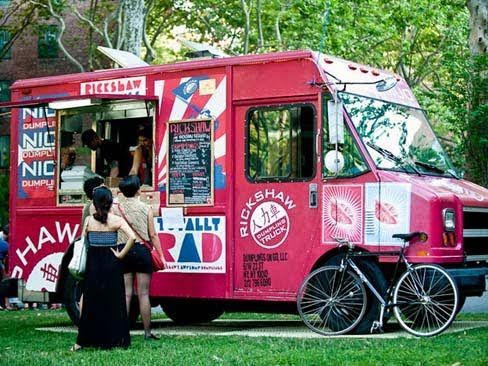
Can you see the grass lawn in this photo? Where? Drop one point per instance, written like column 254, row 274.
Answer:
column 21, row 344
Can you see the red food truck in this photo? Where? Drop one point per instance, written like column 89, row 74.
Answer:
column 259, row 163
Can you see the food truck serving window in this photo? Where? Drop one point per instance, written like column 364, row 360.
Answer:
column 280, row 143
column 111, row 140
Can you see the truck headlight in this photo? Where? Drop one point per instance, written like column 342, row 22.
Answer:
column 449, row 218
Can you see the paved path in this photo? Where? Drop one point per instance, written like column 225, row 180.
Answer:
column 266, row 328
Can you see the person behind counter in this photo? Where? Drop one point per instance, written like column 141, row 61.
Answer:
column 104, row 322
column 109, row 154
column 143, row 157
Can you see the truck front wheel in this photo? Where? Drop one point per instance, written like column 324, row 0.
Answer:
column 191, row 312
column 374, row 274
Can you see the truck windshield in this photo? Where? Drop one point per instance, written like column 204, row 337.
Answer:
column 397, row 137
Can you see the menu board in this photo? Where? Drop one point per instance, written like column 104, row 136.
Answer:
column 190, row 163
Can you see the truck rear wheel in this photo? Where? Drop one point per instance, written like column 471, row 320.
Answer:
column 134, row 312
column 72, row 295
column 378, row 280
column 191, row 312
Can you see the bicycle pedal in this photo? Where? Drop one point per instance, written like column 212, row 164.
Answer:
column 376, row 327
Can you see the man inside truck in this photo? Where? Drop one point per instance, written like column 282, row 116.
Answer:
column 109, row 154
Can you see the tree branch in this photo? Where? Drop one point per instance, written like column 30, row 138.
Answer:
column 86, row 20
column 59, row 36
column 150, row 50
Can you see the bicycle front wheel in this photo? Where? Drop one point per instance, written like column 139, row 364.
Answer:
column 425, row 300
column 332, row 301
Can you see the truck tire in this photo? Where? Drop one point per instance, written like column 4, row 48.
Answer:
column 374, row 274
column 191, row 312
column 461, row 302
column 72, row 294
column 134, row 312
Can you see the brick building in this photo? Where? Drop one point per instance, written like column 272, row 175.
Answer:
column 34, row 54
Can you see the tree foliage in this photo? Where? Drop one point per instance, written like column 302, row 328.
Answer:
column 438, row 46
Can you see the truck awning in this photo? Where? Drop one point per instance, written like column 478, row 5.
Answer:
column 44, row 102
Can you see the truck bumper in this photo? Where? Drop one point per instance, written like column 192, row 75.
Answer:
column 470, row 281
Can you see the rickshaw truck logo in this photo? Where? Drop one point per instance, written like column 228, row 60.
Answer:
column 266, row 219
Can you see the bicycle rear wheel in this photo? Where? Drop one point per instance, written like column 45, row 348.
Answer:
column 425, row 299
column 331, row 301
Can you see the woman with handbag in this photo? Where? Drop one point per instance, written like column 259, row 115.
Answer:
column 104, row 322
column 139, row 261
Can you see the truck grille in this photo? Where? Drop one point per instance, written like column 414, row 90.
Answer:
column 475, row 233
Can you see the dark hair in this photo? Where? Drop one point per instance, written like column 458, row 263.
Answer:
column 88, row 136
column 145, row 132
column 130, row 185
column 102, row 200
column 5, row 229
column 90, row 184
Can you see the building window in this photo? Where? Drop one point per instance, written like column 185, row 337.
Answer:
column 47, row 45
column 4, row 151
column 5, row 36
column 280, row 143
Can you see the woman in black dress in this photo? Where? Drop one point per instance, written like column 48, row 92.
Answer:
column 104, row 323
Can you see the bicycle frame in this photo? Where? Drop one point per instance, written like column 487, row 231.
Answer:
column 384, row 301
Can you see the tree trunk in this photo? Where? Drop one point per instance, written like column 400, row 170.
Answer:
column 134, row 25
column 477, row 133
column 478, row 24
column 260, row 25
column 247, row 25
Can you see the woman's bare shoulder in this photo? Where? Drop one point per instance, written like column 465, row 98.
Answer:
column 114, row 221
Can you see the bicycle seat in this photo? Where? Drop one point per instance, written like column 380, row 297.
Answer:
column 406, row 237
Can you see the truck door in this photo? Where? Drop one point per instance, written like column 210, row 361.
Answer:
column 277, row 209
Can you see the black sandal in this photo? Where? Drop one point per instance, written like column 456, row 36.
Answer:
column 151, row 336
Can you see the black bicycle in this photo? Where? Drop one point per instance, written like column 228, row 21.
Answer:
column 333, row 300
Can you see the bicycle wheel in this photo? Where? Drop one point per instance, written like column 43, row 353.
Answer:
column 425, row 300
column 331, row 301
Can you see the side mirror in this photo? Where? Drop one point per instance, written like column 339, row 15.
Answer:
column 335, row 122
column 334, row 162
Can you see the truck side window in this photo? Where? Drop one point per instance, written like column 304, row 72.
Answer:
column 280, row 143
column 354, row 163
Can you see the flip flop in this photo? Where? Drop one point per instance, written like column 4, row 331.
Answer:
column 75, row 348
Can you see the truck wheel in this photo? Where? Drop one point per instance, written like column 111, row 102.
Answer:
column 461, row 302
column 134, row 312
column 191, row 312
column 72, row 295
column 377, row 279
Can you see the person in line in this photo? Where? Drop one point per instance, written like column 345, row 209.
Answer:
column 88, row 186
column 104, row 322
column 109, row 156
column 143, row 157
column 3, row 263
column 138, row 262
